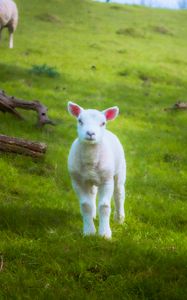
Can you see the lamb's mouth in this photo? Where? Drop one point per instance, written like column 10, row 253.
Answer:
column 90, row 139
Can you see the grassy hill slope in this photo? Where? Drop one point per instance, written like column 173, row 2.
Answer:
column 103, row 55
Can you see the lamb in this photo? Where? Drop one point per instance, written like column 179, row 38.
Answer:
column 96, row 164
column 8, row 18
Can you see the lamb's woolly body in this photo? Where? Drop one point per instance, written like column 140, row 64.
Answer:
column 96, row 163
column 8, row 17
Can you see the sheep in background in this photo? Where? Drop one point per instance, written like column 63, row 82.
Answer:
column 96, row 163
column 8, row 18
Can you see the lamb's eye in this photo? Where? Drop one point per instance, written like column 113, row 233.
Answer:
column 103, row 124
column 80, row 122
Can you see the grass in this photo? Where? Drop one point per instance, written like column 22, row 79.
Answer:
column 104, row 55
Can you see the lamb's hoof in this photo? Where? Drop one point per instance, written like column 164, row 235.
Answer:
column 107, row 234
column 119, row 218
column 90, row 231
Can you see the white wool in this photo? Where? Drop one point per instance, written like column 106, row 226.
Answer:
column 97, row 165
column 8, row 18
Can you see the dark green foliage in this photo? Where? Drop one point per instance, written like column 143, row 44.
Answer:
column 44, row 70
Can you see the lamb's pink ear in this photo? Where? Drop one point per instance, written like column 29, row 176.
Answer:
column 74, row 109
column 111, row 113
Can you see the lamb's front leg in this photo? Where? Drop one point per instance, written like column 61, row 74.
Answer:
column 105, row 194
column 86, row 197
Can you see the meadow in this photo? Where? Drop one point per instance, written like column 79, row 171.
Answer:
column 98, row 55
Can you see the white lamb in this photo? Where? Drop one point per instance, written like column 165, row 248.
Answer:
column 97, row 164
column 8, row 18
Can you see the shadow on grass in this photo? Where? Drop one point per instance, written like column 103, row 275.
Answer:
column 27, row 77
column 123, row 269
column 33, row 221
column 12, row 72
column 117, row 269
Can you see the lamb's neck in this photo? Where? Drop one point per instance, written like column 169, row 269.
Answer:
column 90, row 153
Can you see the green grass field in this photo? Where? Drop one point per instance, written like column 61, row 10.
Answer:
column 103, row 55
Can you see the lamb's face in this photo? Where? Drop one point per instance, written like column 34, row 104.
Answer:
column 91, row 123
column 91, row 126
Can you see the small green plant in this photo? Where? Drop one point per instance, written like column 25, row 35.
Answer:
column 46, row 17
column 162, row 30
column 130, row 31
column 44, row 70
column 123, row 73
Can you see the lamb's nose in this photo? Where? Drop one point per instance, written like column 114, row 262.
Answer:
column 90, row 133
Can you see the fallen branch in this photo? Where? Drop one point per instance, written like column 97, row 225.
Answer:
column 21, row 146
column 178, row 105
column 10, row 103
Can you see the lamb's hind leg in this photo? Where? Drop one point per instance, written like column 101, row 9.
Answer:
column 86, row 195
column 11, row 41
column 119, row 197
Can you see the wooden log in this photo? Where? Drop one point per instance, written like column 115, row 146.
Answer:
column 21, row 146
column 178, row 106
column 10, row 103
